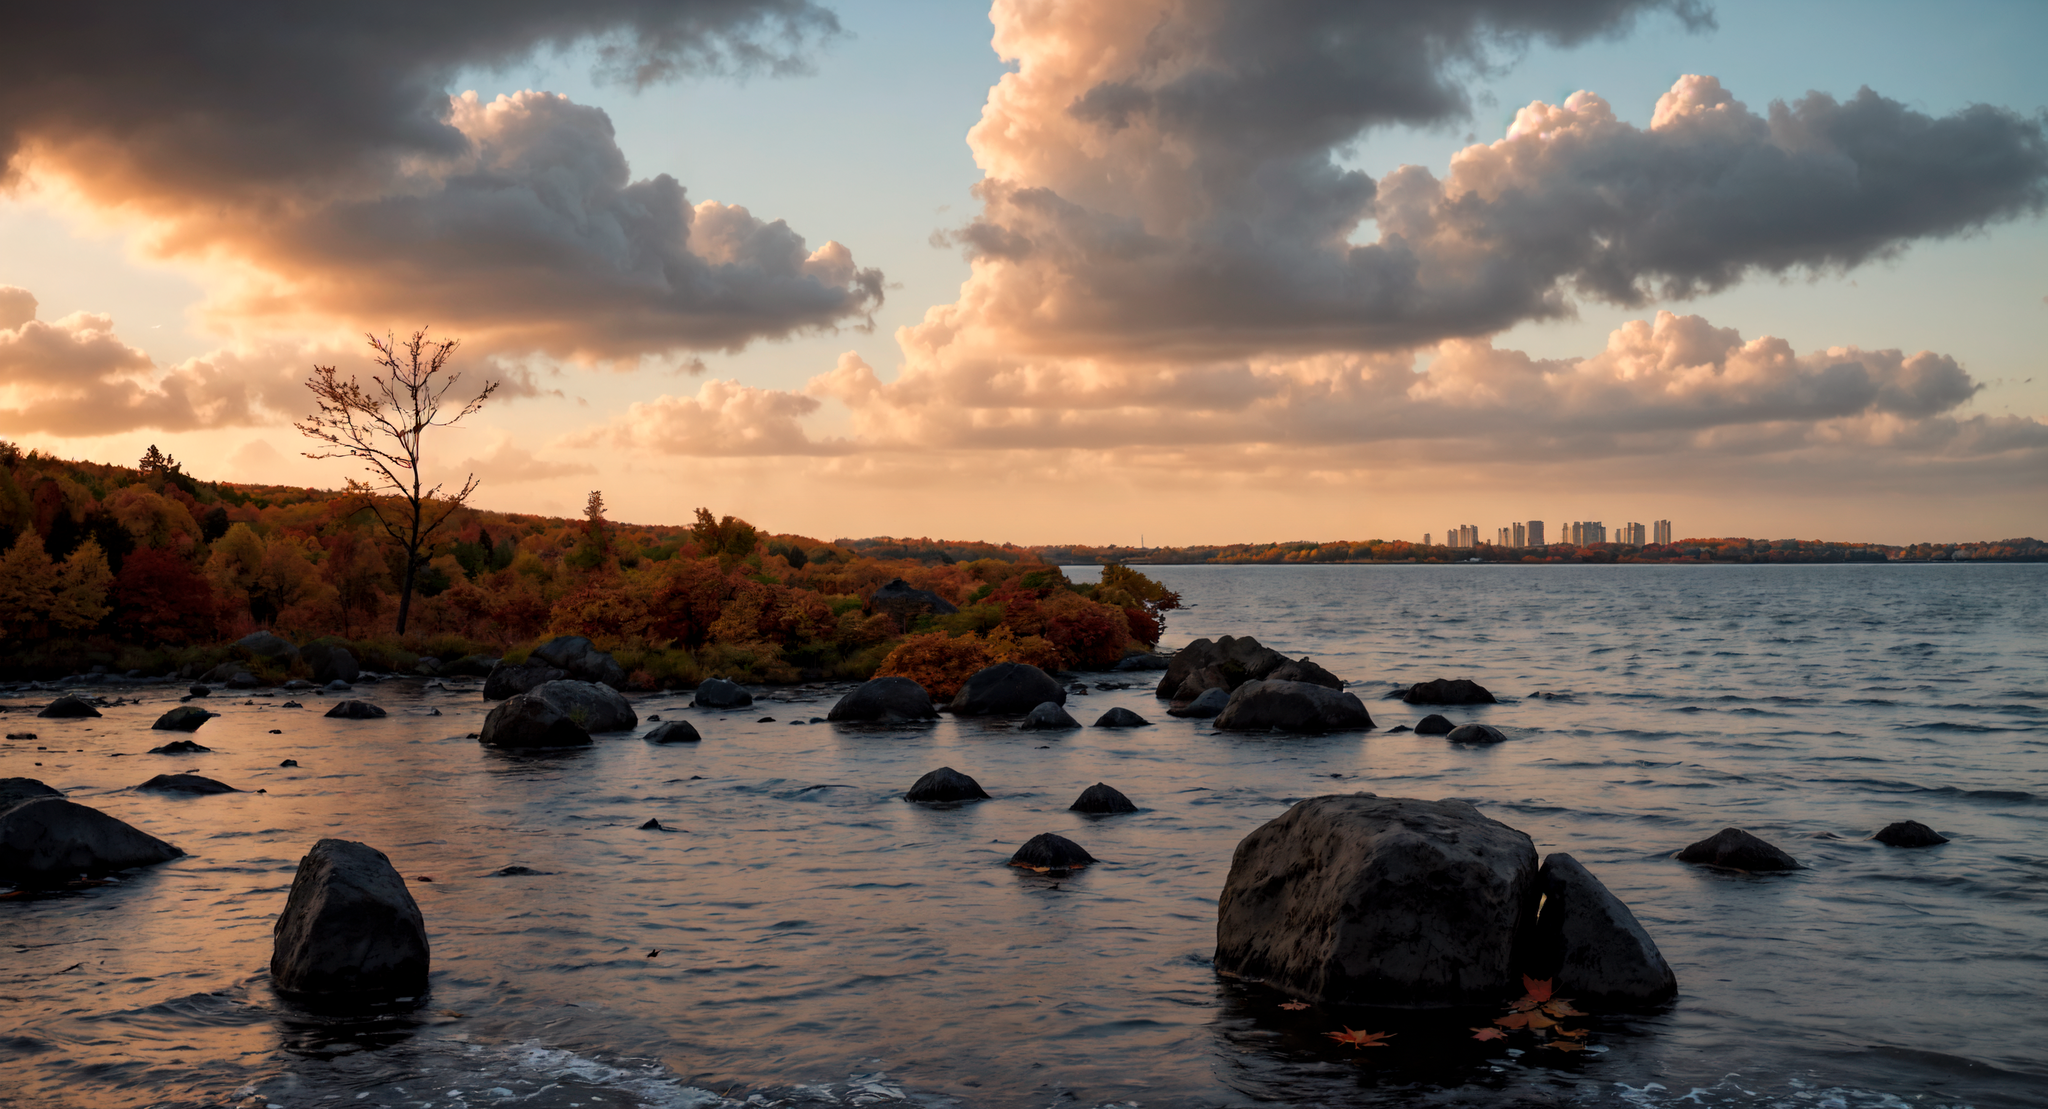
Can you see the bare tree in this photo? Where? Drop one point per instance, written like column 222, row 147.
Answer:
column 382, row 425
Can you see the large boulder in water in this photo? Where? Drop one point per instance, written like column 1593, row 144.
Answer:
column 1302, row 670
column 946, row 784
column 69, row 706
column 1292, row 707
column 1121, row 717
column 1448, row 691
column 1046, row 851
column 1909, row 833
column 1205, row 707
column 905, row 604
column 1047, row 717
column 184, row 718
column 719, row 693
column 1435, row 724
column 1007, row 688
column 581, row 660
column 1590, row 945
column 469, row 666
column 270, row 646
column 356, row 710
column 185, row 783
column 331, row 662
column 1237, row 659
column 1476, row 733
column 1735, row 849
column 525, row 721
column 1102, row 800
column 509, row 679
column 47, row 841
column 13, row 791
column 594, row 708
column 673, row 731
column 891, row 700
column 350, row 929
column 1364, row 900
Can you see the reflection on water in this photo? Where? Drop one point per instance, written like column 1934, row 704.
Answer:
column 799, row 933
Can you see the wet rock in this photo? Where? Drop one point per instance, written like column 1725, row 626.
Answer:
column 1398, row 728
column 185, row 783
column 506, row 680
column 331, row 662
column 1302, row 670
column 1434, row 724
column 289, row 762
column 718, row 693
column 1476, row 733
column 892, row 700
column 1237, row 659
column 523, row 721
column 184, row 718
column 1102, row 799
column 220, row 674
column 1204, row 707
column 1047, row 717
column 199, row 691
column 350, row 929
column 298, row 685
column 242, row 679
column 1364, row 900
column 1292, row 707
column 427, row 667
column 47, row 841
column 291, row 705
column 595, row 708
column 1590, row 945
column 1448, row 691
column 1121, row 717
column 469, row 666
column 765, row 720
column 905, row 604
column 946, row 784
column 13, row 791
column 1007, row 688
column 1147, row 661
column 515, row 871
column 652, row 825
column 1909, row 833
column 1735, row 849
column 675, row 731
column 1046, row 851
column 181, row 747
column 1218, row 676
column 69, row 706
column 356, row 710
column 581, row 660
column 336, row 686
column 268, row 645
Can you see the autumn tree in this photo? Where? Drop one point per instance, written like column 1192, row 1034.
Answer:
column 382, row 427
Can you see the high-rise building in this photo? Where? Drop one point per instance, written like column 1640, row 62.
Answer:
column 1661, row 532
column 1518, row 536
column 1535, row 536
column 1596, row 532
column 1468, row 536
column 1634, row 535
column 1425, row 539
column 1451, row 536
column 1502, row 537
column 1585, row 533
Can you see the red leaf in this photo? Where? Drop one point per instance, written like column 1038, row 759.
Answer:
column 1488, row 1034
column 1539, row 991
column 1293, row 1005
column 1359, row 1039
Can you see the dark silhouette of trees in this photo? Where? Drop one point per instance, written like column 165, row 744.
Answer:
column 382, row 426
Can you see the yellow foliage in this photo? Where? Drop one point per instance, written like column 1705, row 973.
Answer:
column 81, row 589
column 28, row 585
column 939, row 662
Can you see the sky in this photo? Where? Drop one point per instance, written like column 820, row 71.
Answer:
column 1169, row 271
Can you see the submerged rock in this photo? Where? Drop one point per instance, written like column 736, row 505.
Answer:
column 1007, row 688
column 1102, row 800
column 946, row 784
column 356, row 710
column 1735, row 849
column 13, row 791
column 580, row 659
column 1909, row 833
column 1121, row 718
column 1292, row 707
column 1476, row 733
column 181, row 747
column 675, row 731
column 350, row 928
column 890, row 700
column 508, row 679
column 1225, row 663
column 331, row 662
column 48, row 841
column 1204, row 707
column 184, row 718
column 594, row 707
column 1364, row 900
column 185, row 783
column 1590, row 945
column 523, row 721
column 1434, row 724
column 199, row 691
column 69, row 706
column 1302, row 670
column 270, row 646
column 1046, row 851
column 1448, row 691
column 1048, row 717
column 718, row 693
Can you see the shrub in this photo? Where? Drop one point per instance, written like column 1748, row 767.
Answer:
column 939, row 662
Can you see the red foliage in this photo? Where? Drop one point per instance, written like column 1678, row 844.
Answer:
column 159, row 597
column 689, row 602
column 1088, row 634
column 939, row 662
column 1145, row 627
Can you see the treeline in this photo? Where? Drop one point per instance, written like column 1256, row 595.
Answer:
column 147, row 568
column 1726, row 550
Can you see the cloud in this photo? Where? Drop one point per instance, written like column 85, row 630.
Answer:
column 317, row 150
column 1166, row 179
column 509, row 464
column 724, row 419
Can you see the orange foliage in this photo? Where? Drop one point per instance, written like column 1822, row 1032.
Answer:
column 939, row 662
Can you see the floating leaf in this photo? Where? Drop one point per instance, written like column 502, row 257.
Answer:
column 1565, row 1045
column 1539, row 991
column 1359, row 1039
column 1513, row 1020
column 1562, row 1007
column 1488, row 1034
column 1574, row 1033
column 1293, row 1005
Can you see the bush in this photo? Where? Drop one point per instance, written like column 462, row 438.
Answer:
column 939, row 662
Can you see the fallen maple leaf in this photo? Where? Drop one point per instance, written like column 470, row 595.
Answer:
column 1488, row 1034
column 1562, row 1007
column 1539, row 991
column 1513, row 1020
column 1574, row 1033
column 1359, row 1039
column 1291, row 1005
column 1565, row 1045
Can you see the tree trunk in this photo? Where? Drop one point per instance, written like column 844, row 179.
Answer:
column 412, row 565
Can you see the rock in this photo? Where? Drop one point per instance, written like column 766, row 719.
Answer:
column 1434, row 724
column 220, row 674
column 181, row 747
column 1047, row 716
column 469, row 666
column 1007, row 688
column 184, row 718
column 905, row 604
column 288, row 762
column 13, row 791
column 1590, row 945
column 1364, row 900
column 1448, row 691
column 1476, row 733
column 1909, row 833
column 1204, row 707
column 1121, row 718
column 337, row 686
column 515, row 871
column 1239, row 659
column 675, row 731
column 1146, row 661
column 68, row 706
column 1735, row 849
column 185, row 783
column 652, row 825
column 1217, row 676
column 267, row 645
column 718, row 693
column 350, row 928
column 428, row 667
column 1046, row 851
column 765, row 720
column 1102, row 799
column 524, row 721
column 297, row 685
column 582, row 660
column 892, row 700
column 242, row 679
column 199, row 691
column 1398, row 728
column 47, row 841
column 1292, row 707
column 506, row 679
column 331, row 662
column 1302, row 670
column 356, row 710
column 594, row 708
column 946, row 784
